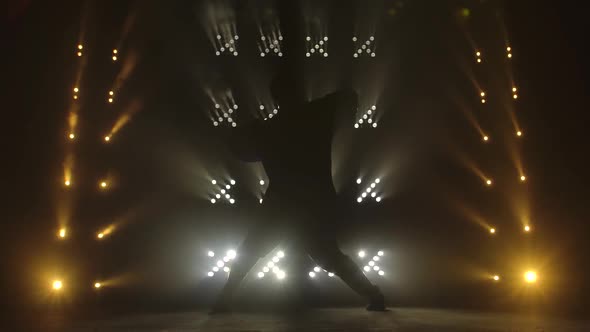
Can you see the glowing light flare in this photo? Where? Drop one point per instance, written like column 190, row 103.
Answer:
column 62, row 233
column 519, row 133
column 103, row 184
column 281, row 275
column 380, row 253
column 67, row 183
column 530, row 277
column 71, row 136
column 522, row 178
column 210, row 253
column 489, row 182
column 311, row 274
column 107, row 138
column 362, row 254
column 231, row 254
column 57, row 285
column 527, row 228
column 100, row 235
column 486, row 138
column 496, row 278
column 97, row 285
column 492, row 231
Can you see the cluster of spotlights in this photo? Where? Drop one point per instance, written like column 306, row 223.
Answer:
column 269, row 114
column 372, row 265
column 369, row 191
column 220, row 115
column 269, row 46
column 483, row 97
column 221, row 265
column 111, row 96
column 76, row 90
column 79, row 52
column 114, row 56
column 509, row 52
column 223, row 192
column 227, row 45
column 318, row 47
column 478, row 57
column 317, row 271
column 365, row 47
column 514, row 93
column 273, row 266
column 367, row 117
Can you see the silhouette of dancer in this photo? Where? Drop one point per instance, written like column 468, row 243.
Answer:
column 295, row 149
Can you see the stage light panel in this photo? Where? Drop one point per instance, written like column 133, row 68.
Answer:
column 57, row 285
column 530, row 277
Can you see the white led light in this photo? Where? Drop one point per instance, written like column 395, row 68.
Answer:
column 220, row 263
column 281, row 254
column 380, row 253
column 381, row 272
column 265, row 269
column 367, row 269
column 311, row 274
column 215, row 269
column 330, row 274
column 371, row 263
column 210, row 253
column 260, row 274
column 317, row 269
column 361, row 254
column 210, row 274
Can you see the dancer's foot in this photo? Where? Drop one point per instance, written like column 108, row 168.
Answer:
column 377, row 302
column 220, row 308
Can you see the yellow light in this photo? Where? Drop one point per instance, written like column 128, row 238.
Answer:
column 72, row 136
column 489, row 182
column 97, row 285
column 75, row 96
column 515, row 96
column 79, row 53
column 519, row 133
column 483, row 101
column 115, row 51
column 67, row 183
column 530, row 277
column 111, row 93
column 107, row 138
column 62, row 233
column 496, row 278
column 478, row 53
column 110, row 100
column 493, row 230
column 478, row 60
column 114, row 58
column 485, row 138
column 80, row 46
column 483, row 94
column 100, row 235
column 522, row 178
column 57, row 284
column 508, row 49
column 76, row 90
column 103, row 184
column 527, row 228
column 509, row 55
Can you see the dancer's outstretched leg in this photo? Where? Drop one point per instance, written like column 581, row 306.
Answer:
column 330, row 257
column 239, row 269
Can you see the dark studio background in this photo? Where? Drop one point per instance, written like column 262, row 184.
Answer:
column 164, row 158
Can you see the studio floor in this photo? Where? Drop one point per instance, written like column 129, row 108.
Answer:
column 349, row 319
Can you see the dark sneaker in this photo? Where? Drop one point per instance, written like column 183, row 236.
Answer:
column 220, row 308
column 377, row 303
